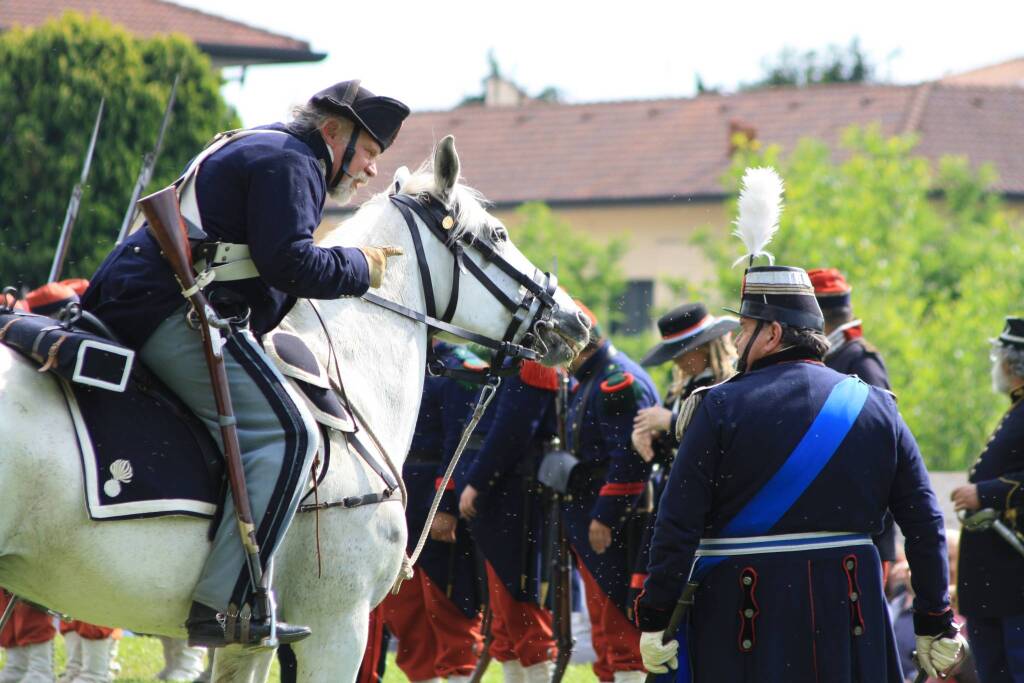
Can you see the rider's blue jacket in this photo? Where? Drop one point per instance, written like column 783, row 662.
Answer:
column 265, row 191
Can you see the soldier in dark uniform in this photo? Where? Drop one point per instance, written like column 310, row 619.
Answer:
column 782, row 475
column 851, row 354
column 990, row 580
column 701, row 350
column 435, row 615
column 606, row 488
column 252, row 200
column 501, row 499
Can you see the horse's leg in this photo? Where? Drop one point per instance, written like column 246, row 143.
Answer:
column 335, row 650
column 237, row 664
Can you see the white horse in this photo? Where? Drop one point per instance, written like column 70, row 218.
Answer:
column 139, row 574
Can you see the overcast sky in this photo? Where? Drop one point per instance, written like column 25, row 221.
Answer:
column 431, row 54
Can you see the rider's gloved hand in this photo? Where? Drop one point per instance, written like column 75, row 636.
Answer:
column 377, row 261
column 657, row 654
column 938, row 654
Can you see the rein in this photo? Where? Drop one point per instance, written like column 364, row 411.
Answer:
column 532, row 310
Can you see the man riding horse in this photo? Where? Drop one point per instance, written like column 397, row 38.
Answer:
column 251, row 201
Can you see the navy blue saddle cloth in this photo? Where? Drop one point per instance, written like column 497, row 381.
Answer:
column 144, row 454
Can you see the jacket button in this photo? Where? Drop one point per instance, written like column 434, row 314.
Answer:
column 748, row 613
column 137, row 250
column 858, row 630
column 853, row 597
column 747, row 644
column 849, row 565
column 747, row 581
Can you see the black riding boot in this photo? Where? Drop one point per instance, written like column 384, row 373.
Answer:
column 209, row 628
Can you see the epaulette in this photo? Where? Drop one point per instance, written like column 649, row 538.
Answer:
column 688, row 409
column 539, row 376
column 469, row 360
column 619, row 391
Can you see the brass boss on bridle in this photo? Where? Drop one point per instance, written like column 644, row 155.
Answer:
column 530, row 313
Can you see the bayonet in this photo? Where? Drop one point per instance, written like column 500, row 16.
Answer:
column 76, row 199
column 148, row 164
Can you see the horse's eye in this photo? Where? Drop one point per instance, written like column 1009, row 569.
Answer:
column 499, row 234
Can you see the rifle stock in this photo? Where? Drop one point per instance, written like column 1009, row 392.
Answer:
column 167, row 226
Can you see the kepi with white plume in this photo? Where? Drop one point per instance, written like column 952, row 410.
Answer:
column 771, row 293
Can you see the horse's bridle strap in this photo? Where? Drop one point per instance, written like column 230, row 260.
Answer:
column 508, row 348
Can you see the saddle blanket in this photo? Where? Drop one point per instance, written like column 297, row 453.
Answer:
column 143, row 454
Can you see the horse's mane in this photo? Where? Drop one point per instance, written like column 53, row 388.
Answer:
column 468, row 204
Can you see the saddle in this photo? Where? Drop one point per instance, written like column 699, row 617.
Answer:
column 143, row 452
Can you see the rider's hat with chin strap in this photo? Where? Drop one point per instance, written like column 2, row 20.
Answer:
column 380, row 117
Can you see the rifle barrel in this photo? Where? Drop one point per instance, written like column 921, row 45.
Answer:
column 76, row 200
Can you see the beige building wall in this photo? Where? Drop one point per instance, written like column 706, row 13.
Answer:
column 659, row 237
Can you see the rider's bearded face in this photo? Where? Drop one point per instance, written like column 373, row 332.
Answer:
column 344, row 191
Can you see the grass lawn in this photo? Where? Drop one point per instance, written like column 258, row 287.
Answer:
column 141, row 658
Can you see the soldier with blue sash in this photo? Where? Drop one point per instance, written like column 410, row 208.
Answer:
column 435, row 615
column 606, row 488
column 501, row 498
column 990, row 580
column 783, row 474
column 851, row 354
column 251, row 201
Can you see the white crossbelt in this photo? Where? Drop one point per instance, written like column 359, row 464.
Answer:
column 779, row 543
column 230, row 262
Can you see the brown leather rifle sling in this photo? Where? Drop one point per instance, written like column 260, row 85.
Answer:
column 166, row 225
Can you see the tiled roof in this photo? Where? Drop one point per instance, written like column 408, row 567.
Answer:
column 660, row 149
column 149, row 17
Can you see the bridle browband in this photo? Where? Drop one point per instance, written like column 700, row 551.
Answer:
column 532, row 310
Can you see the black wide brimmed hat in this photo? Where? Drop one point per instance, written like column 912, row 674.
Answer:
column 781, row 294
column 685, row 328
column 1012, row 334
column 381, row 117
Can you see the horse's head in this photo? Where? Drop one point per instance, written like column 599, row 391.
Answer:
column 472, row 276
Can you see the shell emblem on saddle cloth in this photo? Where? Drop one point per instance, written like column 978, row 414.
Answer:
column 120, row 473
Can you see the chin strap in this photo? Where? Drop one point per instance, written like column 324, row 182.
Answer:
column 346, row 158
column 741, row 364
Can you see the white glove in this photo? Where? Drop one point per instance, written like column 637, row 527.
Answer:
column 656, row 654
column 937, row 655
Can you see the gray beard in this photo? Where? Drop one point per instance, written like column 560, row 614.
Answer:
column 1000, row 382
column 345, row 190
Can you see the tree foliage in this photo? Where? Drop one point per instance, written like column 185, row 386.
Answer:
column 834, row 65
column 933, row 258
column 588, row 269
column 51, row 80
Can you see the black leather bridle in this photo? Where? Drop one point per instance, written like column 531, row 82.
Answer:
column 533, row 310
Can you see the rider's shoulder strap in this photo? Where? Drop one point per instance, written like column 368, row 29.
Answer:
column 186, row 181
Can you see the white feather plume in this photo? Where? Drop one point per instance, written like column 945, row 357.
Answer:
column 760, row 206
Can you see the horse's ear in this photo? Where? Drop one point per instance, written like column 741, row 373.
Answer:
column 401, row 177
column 446, row 165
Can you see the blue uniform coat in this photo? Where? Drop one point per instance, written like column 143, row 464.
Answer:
column 445, row 407
column 611, row 477
column 816, row 619
column 857, row 357
column 990, row 580
column 508, row 527
column 265, row 191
